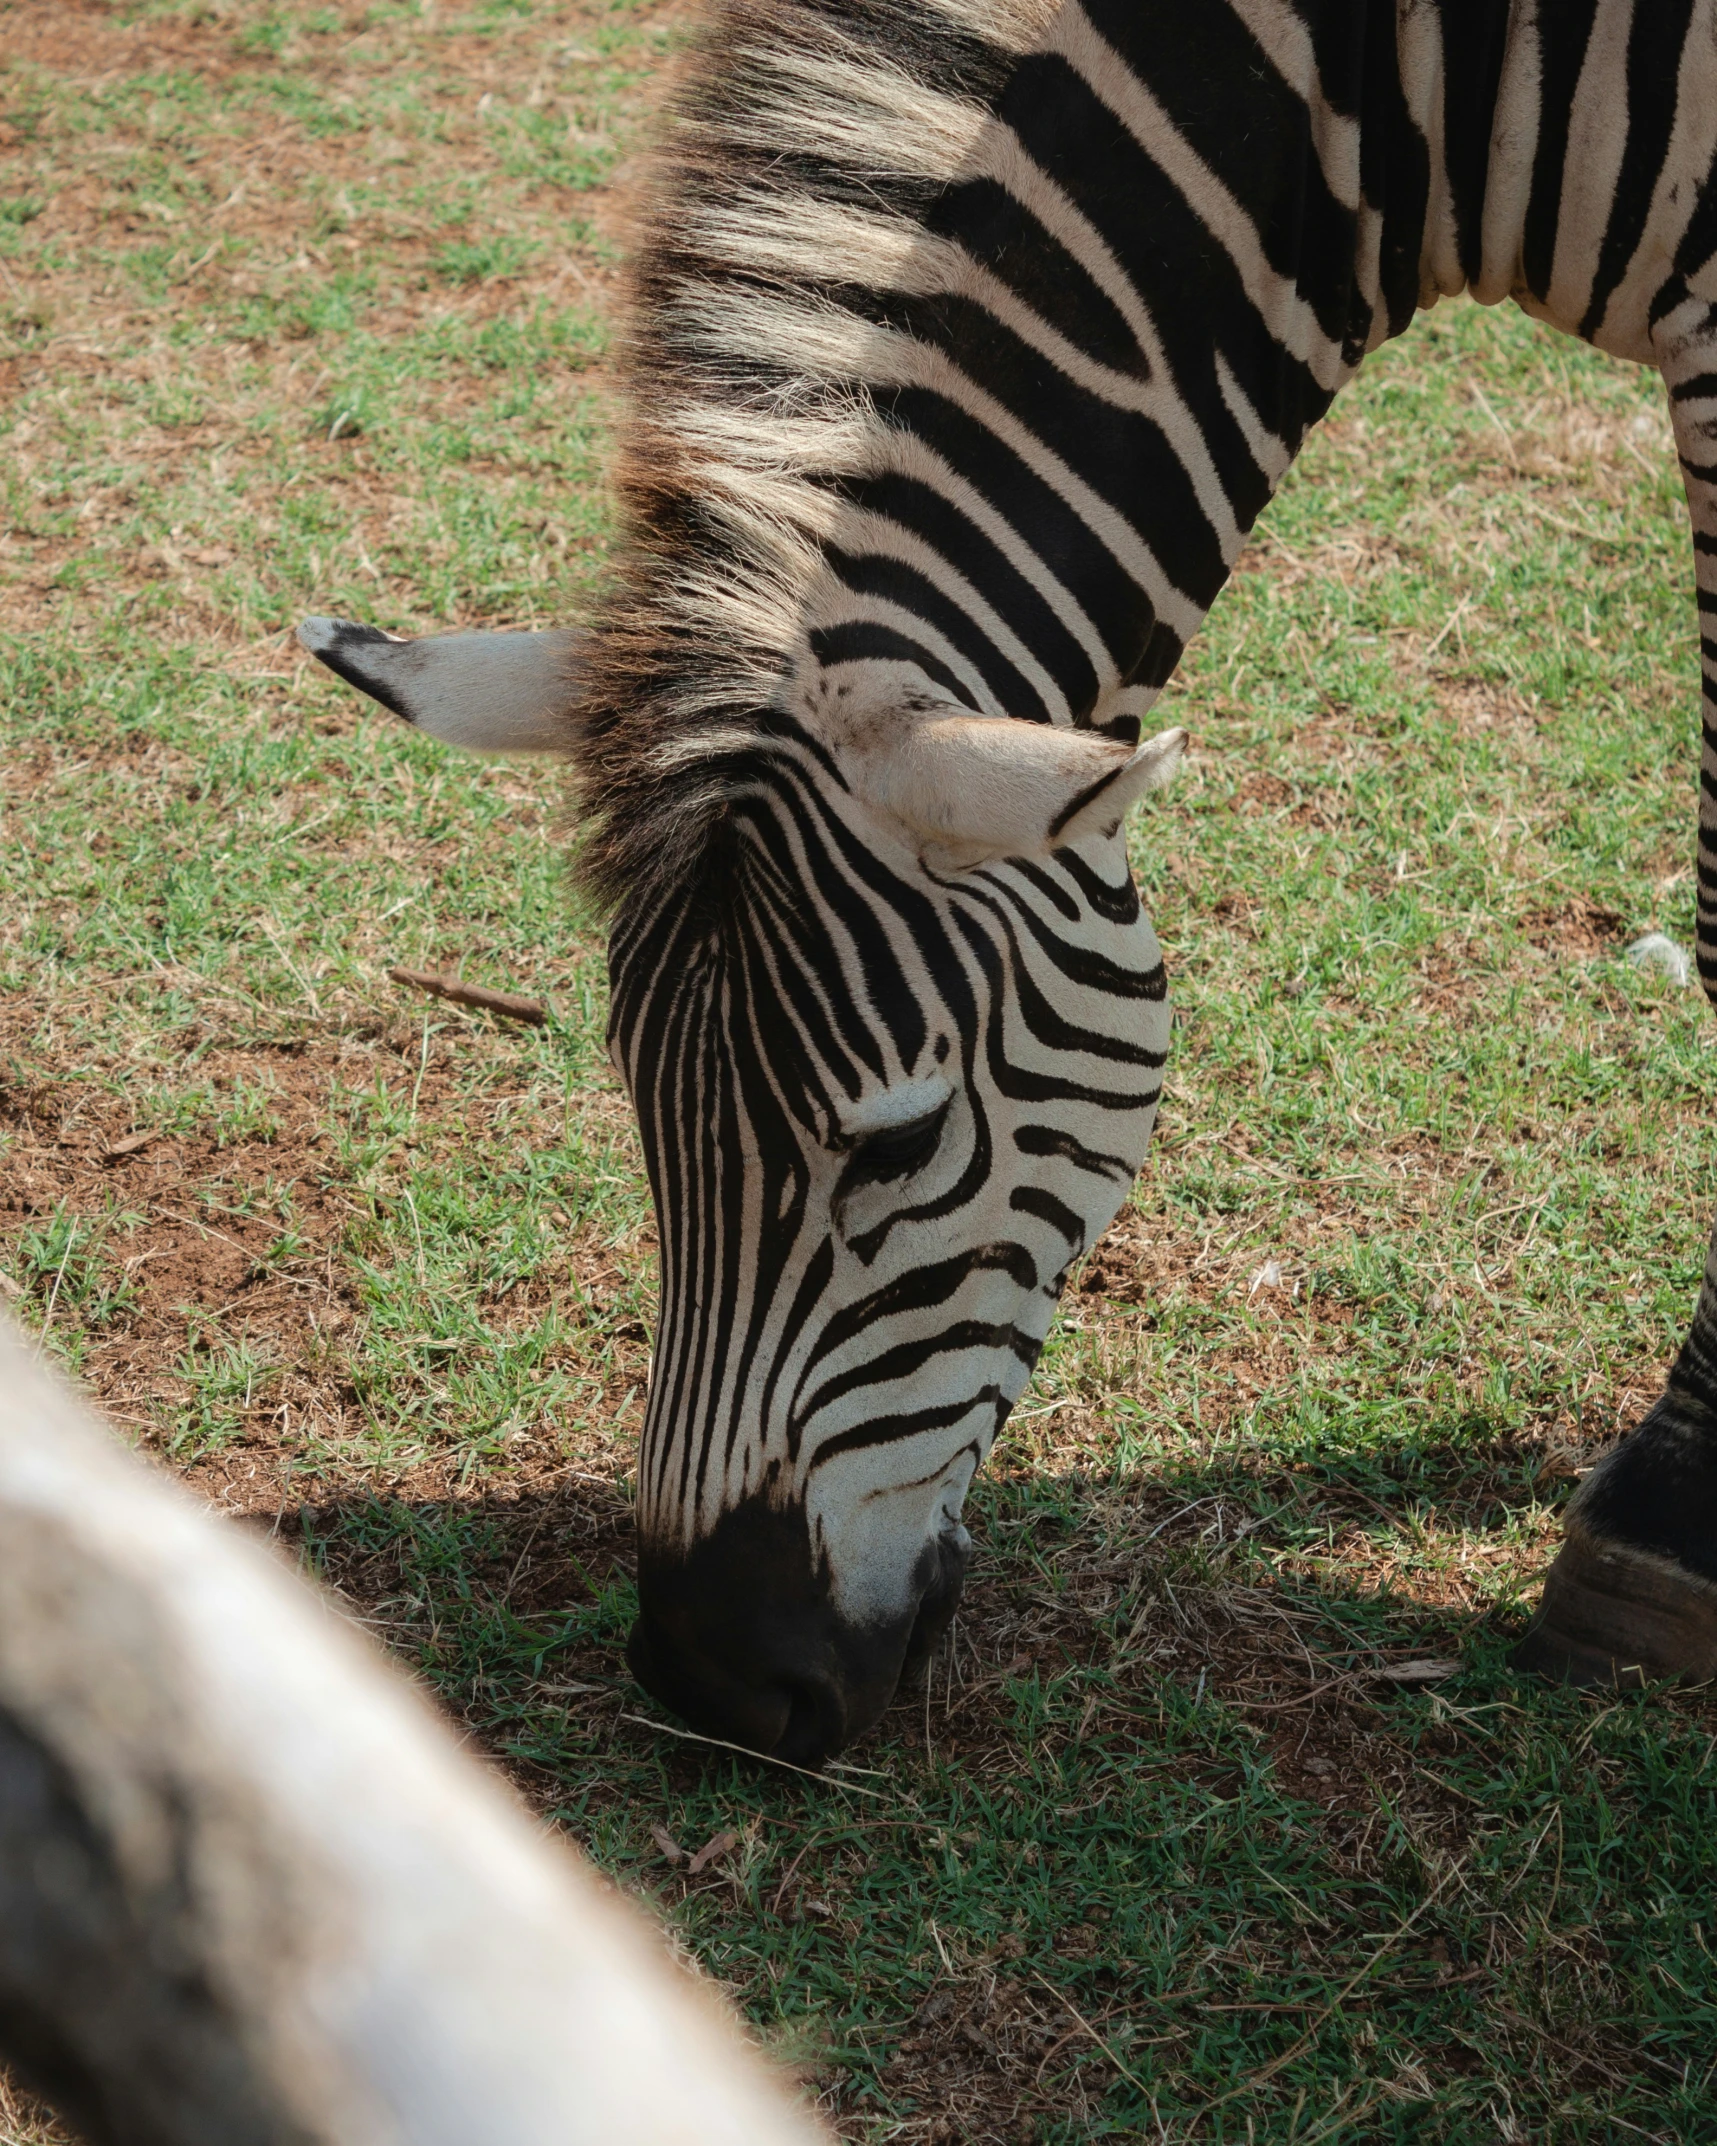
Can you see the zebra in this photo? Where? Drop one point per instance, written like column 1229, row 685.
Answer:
column 968, row 340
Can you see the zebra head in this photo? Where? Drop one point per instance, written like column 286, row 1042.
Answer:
column 895, row 1056
column 895, row 1041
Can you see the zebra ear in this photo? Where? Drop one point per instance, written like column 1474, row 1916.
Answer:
column 972, row 788
column 486, row 692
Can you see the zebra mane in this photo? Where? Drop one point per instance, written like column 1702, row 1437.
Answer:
column 806, row 141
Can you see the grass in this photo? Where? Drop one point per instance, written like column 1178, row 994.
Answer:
column 306, row 310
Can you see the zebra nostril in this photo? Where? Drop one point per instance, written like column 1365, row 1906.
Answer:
column 941, row 1596
column 816, row 1725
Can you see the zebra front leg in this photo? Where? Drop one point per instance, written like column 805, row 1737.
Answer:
column 1633, row 1591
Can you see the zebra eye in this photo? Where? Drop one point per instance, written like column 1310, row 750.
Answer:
column 898, row 1151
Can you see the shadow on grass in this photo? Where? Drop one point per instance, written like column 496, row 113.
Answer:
column 1162, row 1846
column 1368, row 1545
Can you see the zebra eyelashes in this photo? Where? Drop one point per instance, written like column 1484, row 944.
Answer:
column 892, row 1154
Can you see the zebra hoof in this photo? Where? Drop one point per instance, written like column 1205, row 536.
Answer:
column 1620, row 1618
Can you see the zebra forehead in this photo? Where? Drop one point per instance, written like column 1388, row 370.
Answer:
column 906, row 1101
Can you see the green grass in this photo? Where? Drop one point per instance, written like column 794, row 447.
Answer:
column 291, row 320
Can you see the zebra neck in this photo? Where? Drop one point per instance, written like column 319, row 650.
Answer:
column 972, row 395
column 1173, row 244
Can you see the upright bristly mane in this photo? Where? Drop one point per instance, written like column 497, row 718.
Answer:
column 802, row 151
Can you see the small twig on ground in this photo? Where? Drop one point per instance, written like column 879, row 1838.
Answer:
column 781, row 1889
column 1061, row 1997
column 721, row 1743
column 508, row 1004
column 132, row 1144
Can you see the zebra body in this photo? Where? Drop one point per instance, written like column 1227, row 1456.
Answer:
column 971, row 338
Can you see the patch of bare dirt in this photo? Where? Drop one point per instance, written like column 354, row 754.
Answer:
column 1447, row 981
column 1579, row 929
column 1481, row 708
column 89, row 42
column 1263, row 793
column 195, row 1253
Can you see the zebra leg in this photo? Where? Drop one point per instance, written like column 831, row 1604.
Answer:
column 1633, row 1591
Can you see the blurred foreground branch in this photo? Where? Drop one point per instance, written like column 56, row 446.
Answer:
column 250, row 1889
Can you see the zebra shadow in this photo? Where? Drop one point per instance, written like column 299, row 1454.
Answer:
column 1254, row 1573
column 1258, row 1570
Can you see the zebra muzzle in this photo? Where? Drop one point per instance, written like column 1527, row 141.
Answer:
column 741, row 1635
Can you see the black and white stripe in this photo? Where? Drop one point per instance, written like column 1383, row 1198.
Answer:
column 884, row 1108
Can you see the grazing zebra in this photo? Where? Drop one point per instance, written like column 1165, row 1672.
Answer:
column 970, row 337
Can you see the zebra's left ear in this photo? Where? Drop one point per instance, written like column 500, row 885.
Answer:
column 972, row 788
column 484, row 692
